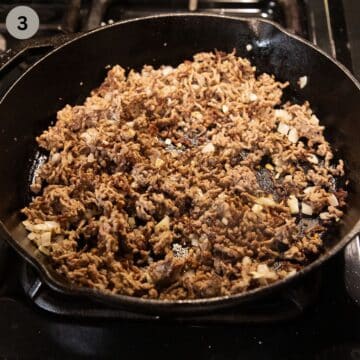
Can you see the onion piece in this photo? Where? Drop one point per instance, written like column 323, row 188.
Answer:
column 208, row 148
column 293, row 204
column 283, row 128
column 333, row 201
column 314, row 119
column 306, row 209
column 266, row 201
column 325, row 215
column 263, row 271
column 246, row 260
column 293, row 135
column 303, row 80
column 163, row 225
column 257, row 208
column 309, row 189
column 253, row 97
column 159, row 163
column 313, row 159
column 167, row 70
column 283, row 115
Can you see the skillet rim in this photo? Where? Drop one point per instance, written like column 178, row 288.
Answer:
column 188, row 305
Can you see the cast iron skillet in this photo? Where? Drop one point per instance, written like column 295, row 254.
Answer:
column 68, row 73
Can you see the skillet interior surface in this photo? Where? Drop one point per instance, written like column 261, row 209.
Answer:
column 68, row 74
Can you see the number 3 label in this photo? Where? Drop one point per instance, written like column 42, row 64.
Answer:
column 22, row 22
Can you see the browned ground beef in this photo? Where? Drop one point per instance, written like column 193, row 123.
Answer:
column 184, row 182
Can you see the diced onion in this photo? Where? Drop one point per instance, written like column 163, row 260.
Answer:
column 253, row 97
column 303, row 80
column 257, row 208
column 266, row 201
column 159, row 163
column 282, row 114
column 333, row 201
column 246, row 260
column 283, row 128
column 163, row 225
column 325, row 215
column 208, row 148
column 306, row 209
column 313, row 159
column 309, row 189
column 293, row 204
column 167, row 70
column 293, row 135
column 314, row 119
column 263, row 271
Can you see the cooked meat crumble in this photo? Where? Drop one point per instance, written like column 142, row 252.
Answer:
column 183, row 183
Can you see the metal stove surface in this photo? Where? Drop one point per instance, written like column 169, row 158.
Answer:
column 323, row 324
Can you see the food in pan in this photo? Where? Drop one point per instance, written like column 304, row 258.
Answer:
column 183, row 183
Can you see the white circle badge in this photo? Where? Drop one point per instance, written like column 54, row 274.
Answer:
column 22, row 22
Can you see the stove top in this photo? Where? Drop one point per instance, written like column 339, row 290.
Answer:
column 317, row 319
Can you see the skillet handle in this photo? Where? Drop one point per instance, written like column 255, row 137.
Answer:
column 13, row 56
column 352, row 269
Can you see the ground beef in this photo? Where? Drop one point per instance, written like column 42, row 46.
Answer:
column 186, row 182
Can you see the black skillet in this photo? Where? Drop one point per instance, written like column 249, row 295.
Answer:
column 69, row 72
